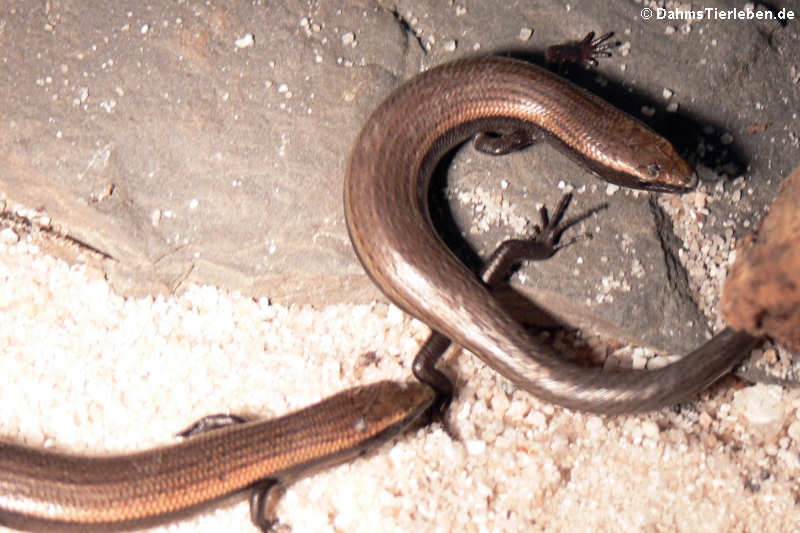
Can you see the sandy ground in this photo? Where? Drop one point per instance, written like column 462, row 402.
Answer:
column 88, row 371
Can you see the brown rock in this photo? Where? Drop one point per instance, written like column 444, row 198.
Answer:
column 762, row 293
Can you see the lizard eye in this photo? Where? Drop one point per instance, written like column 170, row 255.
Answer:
column 653, row 170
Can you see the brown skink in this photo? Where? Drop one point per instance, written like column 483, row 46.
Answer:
column 386, row 207
column 45, row 490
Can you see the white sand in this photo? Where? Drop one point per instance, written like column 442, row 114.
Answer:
column 88, row 371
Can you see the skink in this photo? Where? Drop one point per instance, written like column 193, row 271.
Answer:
column 45, row 490
column 386, row 207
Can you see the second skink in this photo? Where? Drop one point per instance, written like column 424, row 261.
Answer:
column 44, row 490
column 386, row 207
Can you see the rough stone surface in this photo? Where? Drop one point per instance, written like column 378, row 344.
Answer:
column 196, row 142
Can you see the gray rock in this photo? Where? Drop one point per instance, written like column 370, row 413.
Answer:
column 150, row 135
